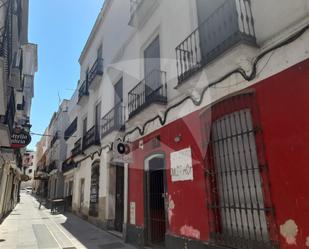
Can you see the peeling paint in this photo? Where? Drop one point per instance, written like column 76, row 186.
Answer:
column 171, row 206
column 189, row 231
column 289, row 231
column 307, row 242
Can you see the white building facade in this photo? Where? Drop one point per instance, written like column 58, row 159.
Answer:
column 205, row 81
column 18, row 65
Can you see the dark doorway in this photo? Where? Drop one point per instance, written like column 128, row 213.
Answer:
column 94, row 189
column 155, row 202
column 119, row 204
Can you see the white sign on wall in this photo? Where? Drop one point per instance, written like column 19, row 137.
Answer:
column 181, row 165
column 132, row 213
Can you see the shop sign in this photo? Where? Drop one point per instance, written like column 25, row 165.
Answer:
column 122, row 152
column 181, row 165
column 20, row 138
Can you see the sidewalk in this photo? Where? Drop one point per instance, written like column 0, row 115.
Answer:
column 27, row 227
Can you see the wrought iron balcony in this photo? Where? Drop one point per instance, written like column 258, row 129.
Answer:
column 150, row 90
column 91, row 138
column 52, row 166
column 9, row 117
column 113, row 120
column 77, row 150
column 134, row 4
column 53, row 141
column 71, row 129
column 67, row 166
column 96, row 72
column 83, row 90
column 230, row 24
column 141, row 10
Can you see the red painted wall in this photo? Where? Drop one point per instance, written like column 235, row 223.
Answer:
column 188, row 197
column 283, row 103
column 284, row 106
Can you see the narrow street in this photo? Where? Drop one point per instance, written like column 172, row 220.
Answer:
column 28, row 227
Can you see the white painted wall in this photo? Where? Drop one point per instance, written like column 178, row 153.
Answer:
column 173, row 21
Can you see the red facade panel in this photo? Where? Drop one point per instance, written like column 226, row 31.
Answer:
column 282, row 104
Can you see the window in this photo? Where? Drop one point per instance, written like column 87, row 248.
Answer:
column 152, row 66
column 71, row 129
column 97, row 114
column 99, row 52
column 237, row 198
column 118, row 92
column 84, row 126
column 81, row 191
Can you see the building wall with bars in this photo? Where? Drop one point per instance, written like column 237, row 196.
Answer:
column 281, row 102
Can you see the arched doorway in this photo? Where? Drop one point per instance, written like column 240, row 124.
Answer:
column 94, row 189
column 155, row 193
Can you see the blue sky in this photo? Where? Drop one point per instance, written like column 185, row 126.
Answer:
column 60, row 28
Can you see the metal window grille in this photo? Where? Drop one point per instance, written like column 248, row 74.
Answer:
column 240, row 210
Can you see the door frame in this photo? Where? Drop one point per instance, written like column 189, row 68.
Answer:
column 147, row 232
column 116, row 165
column 96, row 165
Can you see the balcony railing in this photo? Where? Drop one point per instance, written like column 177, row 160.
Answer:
column 52, row 167
column 53, row 141
column 96, row 70
column 141, row 11
column 83, row 90
column 8, row 119
column 67, row 166
column 113, row 120
column 91, row 138
column 71, row 129
column 227, row 26
column 150, row 90
column 134, row 4
column 77, row 148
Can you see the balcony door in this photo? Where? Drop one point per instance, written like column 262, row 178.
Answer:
column 152, row 67
column 118, row 98
column 97, row 119
column 94, row 189
column 84, row 126
column 218, row 22
column 99, row 52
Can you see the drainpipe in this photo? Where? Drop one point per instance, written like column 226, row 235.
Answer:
column 126, row 199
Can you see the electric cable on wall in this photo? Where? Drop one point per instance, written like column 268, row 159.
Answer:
column 241, row 71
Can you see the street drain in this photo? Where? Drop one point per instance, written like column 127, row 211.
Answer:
column 2, row 240
column 116, row 245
